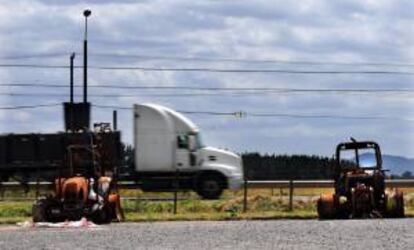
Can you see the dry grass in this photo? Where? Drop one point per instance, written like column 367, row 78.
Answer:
column 262, row 204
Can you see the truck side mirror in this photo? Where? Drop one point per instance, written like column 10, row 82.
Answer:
column 192, row 145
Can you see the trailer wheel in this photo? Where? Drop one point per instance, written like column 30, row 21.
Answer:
column 210, row 186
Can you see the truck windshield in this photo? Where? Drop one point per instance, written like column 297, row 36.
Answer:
column 199, row 141
column 364, row 158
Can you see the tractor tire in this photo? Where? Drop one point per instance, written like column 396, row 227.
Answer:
column 326, row 207
column 210, row 186
column 395, row 205
column 40, row 211
column 102, row 216
column 400, row 207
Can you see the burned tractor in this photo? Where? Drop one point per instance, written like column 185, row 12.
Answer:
column 84, row 188
column 360, row 185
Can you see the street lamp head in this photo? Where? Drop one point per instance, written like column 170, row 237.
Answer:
column 87, row 12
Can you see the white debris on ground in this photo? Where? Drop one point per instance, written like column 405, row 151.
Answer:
column 82, row 223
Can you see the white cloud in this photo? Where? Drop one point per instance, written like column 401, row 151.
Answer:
column 340, row 31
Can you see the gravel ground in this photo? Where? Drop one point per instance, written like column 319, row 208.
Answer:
column 278, row 234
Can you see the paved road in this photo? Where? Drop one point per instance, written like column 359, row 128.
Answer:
column 279, row 234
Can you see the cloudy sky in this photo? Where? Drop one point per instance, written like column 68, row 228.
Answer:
column 290, row 40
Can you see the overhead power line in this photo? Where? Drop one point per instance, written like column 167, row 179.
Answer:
column 29, row 106
column 236, row 114
column 210, row 59
column 244, row 60
column 328, row 116
column 181, row 111
column 194, row 88
column 214, row 70
column 277, row 115
column 32, row 56
column 232, row 94
column 112, row 95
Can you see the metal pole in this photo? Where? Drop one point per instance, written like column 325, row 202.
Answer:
column 37, row 183
column 86, row 13
column 72, row 57
column 245, row 189
column 85, row 70
column 137, row 202
column 175, row 191
column 245, row 195
column 115, row 120
column 291, row 195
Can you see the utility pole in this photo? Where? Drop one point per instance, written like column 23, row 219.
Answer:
column 86, row 14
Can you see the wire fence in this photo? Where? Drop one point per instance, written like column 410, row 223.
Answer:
column 255, row 196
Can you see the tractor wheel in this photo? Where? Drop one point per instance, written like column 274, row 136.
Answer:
column 396, row 209
column 395, row 205
column 400, row 207
column 41, row 210
column 102, row 216
column 326, row 207
column 114, row 202
column 210, row 186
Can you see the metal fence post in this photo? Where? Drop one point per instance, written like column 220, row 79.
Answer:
column 175, row 190
column 37, row 184
column 291, row 195
column 245, row 195
column 2, row 191
column 137, row 200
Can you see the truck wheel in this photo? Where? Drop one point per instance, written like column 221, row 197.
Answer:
column 210, row 186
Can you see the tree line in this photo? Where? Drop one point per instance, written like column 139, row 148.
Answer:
column 259, row 166
column 271, row 167
column 285, row 167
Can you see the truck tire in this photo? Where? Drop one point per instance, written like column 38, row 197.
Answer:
column 210, row 186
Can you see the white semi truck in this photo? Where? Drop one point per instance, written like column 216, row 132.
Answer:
column 168, row 147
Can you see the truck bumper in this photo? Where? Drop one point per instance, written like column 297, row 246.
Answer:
column 235, row 182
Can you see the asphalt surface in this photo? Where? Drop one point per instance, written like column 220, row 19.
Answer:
column 278, row 234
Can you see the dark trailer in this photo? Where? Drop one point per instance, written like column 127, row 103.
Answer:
column 42, row 156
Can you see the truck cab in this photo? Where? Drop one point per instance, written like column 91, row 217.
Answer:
column 168, row 144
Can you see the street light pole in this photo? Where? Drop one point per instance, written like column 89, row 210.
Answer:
column 86, row 14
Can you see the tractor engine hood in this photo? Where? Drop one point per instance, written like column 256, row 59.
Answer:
column 366, row 177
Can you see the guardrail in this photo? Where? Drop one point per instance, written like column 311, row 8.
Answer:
column 320, row 183
column 291, row 184
column 401, row 183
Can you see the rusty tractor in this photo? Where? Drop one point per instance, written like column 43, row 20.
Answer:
column 359, row 185
column 83, row 191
